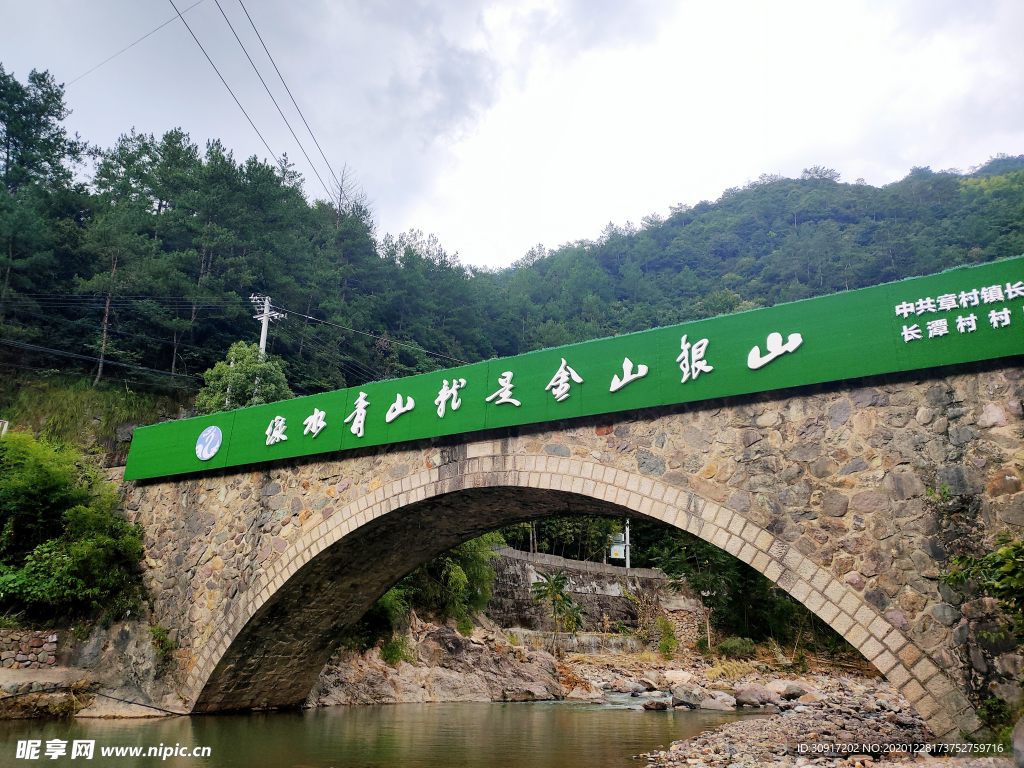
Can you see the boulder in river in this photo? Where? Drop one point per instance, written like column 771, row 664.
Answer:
column 687, row 696
column 757, row 692
column 657, row 704
column 719, row 704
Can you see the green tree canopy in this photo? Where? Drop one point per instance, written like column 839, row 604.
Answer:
column 245, row 378
column 64, row 548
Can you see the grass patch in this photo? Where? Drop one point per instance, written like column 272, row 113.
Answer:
column 736, row 648
column 165, row 646
column 668, row 643
column 730, row 670
column 397, row 649
column 67, row 410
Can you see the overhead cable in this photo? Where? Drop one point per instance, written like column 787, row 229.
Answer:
column 225, row 82
column 271, row 95
column 173, row 18
column 373, row 335
column 34, row 348
column 289, row 93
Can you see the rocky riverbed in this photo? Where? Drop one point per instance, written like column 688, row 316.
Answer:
column 833, row 723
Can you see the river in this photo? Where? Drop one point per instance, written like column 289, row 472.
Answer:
column 434, row 735
column 498, row 735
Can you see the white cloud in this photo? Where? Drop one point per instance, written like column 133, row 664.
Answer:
column 498, row 124
column 724, row 92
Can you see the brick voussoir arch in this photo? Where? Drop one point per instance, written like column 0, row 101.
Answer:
column 487, row 465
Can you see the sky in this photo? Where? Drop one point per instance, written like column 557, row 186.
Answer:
column 500, row 125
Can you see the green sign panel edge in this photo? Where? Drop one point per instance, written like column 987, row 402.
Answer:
column 965, row 314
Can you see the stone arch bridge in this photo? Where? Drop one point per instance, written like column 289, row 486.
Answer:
column 824, row 490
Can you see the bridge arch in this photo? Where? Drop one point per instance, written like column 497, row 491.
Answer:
column 270, row 646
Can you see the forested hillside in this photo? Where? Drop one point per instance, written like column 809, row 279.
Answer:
column 145, row 254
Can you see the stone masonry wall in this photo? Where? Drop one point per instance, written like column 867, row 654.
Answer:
column 825, row 490
column 22, row 649
column 595, row 586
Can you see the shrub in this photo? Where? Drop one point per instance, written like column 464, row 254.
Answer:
column 397, row 649
column 999, row 574
column 668, row 643
column 165, row 646
column 64, row 549
column 249, row 378
column 456, row 584
column 378, row 623
column 736, row 648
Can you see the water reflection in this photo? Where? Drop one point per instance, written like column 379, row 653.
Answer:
column 539, row 735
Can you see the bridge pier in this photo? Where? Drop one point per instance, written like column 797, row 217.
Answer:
column 823, row 490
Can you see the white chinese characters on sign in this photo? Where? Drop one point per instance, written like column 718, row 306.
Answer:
column 504, row 395
column 627, row 375
column 397, row 409
column 947, row 302
column 315, row 423
column 937, row 328
column 449, row 393
column 967, row 324
column 559, row 384
column 358, row 416
column 992, row 294
column 775, row 348
column 925, row 305
column 275, row 431
column 912, row 333
column 999, row 319
column 691, row 359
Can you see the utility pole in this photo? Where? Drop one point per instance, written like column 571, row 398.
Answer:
column 264, row 316
column 627, row 543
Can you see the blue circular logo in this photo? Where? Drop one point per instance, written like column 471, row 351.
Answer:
column 209, row 443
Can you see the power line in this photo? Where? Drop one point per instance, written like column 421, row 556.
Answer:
column 351, row 366
column 374, row 336
column 271, row 95
column 82, row 324
column 289, row 93
column 34, row 348
column 135, row 43
column 224, row 81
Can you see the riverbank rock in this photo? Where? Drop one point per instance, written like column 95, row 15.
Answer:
column 653, row 681
column 657, row 704
column 677, row 676
column 866, row 716
column 687, row 696
column 719, row 701
column 621, row 685
column 446, row 667
column 757, row 693
column 789, row 689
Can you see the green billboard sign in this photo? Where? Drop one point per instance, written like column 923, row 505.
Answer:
column 962, row 315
